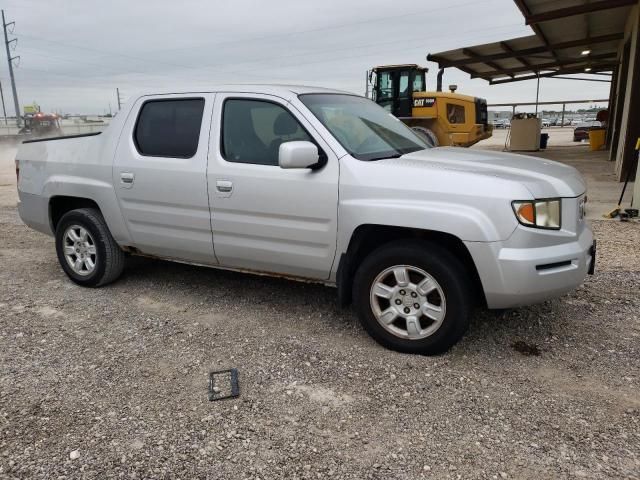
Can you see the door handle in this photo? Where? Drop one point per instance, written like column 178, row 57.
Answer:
column 224, row 186
column 127, row 177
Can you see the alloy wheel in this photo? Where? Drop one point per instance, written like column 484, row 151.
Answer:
column 79, row 250
column 408, row 302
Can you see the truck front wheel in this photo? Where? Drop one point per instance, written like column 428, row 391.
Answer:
column 413, row 297
column 86, row 250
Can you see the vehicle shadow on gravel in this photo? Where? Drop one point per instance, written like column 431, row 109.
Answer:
column 253, row 287
column 210, row 288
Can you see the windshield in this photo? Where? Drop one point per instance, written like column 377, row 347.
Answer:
column 363, row 128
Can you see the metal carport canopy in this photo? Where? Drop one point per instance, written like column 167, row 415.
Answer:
column 571, row 36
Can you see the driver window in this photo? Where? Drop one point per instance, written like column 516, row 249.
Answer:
column 252, row 131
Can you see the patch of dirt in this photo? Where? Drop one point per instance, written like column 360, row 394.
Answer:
column 525, row 348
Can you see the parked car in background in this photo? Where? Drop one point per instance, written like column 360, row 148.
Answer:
column 315, row 185
column 581, row 132
column 546, row 123
column 502, row 123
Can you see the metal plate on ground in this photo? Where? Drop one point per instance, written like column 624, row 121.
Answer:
column 223, row 384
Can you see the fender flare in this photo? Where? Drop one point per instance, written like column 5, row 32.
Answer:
column 99, row 192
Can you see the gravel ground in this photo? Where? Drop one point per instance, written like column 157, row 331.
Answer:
column 112, row 383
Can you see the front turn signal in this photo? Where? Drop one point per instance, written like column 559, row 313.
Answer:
column 538, row 213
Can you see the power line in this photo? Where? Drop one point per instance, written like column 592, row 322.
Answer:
column 253, row 39
column 385, row 18
column 224, row 68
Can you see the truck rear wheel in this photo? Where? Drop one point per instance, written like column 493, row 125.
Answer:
column 413, row 297
column 86, row 250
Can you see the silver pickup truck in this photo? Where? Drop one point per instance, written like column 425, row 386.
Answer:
column 317, row 185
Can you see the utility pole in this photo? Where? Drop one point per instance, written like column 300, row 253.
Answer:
column 10, row 59
column 4, row 110
column 119, row 101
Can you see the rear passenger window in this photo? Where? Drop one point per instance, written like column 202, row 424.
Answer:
column 253, row 130
column 169, row 128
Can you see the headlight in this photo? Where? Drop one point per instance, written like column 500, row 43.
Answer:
column 538, row 213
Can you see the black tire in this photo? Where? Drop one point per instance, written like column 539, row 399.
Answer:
column 427, row 135
column 109, row 257
column 439, row 263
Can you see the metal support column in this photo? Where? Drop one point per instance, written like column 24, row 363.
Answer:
column 537, row 92
column 366, row 83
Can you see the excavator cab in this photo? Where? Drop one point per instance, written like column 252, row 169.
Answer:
column 394, row 85
column 439, row 118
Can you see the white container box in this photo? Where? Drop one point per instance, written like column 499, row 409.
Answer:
column 525, row 135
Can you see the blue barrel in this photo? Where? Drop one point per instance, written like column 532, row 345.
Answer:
column 544, row 139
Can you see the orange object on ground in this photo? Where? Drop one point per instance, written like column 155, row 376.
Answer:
column 596, row 138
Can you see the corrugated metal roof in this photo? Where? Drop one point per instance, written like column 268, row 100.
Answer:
column 564, row 31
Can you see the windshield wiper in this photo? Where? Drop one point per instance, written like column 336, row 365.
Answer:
column 394, row 155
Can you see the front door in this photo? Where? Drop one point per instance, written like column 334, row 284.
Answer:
column 404, row 99
column 266, row 218
column 385, row 90
column 394, row 92
column 159, row 174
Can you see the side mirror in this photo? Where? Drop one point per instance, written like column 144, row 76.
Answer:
column 299, row 154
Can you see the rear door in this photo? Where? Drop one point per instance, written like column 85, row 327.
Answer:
column 159, row 174
column 266, row 218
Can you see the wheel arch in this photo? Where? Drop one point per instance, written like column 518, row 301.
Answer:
column 368, row 237
column 82, row 190
column 61, row 204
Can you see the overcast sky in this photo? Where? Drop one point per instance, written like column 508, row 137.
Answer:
column 74, row 53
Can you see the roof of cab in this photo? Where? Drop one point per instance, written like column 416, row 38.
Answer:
column 283, row 91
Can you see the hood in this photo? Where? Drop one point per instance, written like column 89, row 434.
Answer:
column 543, row 178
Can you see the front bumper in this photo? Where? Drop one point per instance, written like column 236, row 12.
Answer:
column 513, row 277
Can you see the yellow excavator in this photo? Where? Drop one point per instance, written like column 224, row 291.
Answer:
column 441, row 118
